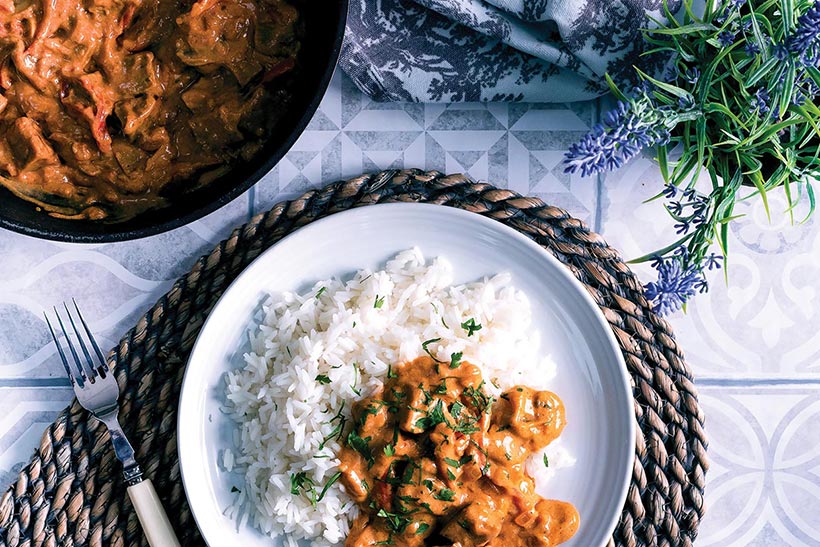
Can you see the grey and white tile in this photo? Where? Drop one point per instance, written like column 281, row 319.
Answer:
column 763, row 485
column 500, row 143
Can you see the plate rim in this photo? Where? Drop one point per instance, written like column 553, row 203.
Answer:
column 623, row 482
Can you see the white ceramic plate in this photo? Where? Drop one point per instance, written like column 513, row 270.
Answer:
column 591, row 378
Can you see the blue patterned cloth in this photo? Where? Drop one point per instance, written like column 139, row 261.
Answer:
column 493, row 50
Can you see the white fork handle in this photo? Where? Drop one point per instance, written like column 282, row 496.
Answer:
column 152, row 515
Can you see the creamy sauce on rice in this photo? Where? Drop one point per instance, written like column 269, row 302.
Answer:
column 434, row 460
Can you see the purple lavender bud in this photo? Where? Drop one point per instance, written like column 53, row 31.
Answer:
column 726, row 38
column 752, row 48
column 804, row 42
column 674, row 286
column 760, row 101
column 622, row 135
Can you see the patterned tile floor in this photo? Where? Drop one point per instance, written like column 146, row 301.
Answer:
column 754, row 344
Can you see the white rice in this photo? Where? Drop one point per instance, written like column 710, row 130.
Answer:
column 283, row 413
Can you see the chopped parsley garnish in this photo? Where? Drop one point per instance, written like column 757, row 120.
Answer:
column 328, row 484
column 458, row 463
column 390, row 373
column 407, row 478
column 396, row 522
column 443, row 322
column 379, row 302
column 480, row 400
column 427, row 396
column 451, row 475
column 320, row 292
column 234, row 490
column 427, row 351
column 355, row 379
column 471, row 326
column 434, row 417
column 337, row 431
column 360, row 445
column 445, row 494
column 456, row 409
column 422, row 527
column 300, row 483
column 546, row 461
column 389, row 450
column 455, row 359
column 323, row 379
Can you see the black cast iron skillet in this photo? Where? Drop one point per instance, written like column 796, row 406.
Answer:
column 324, row 27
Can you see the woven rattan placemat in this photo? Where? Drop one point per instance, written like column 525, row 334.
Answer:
column 72, row 491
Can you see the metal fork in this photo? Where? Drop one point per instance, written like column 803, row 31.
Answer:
column 97, row 390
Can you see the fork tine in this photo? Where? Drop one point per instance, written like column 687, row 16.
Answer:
column 60, row 351
column 90, row 370
column 103, row 367
column 77, row 362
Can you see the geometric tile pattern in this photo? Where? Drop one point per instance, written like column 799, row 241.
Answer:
column 754, row 344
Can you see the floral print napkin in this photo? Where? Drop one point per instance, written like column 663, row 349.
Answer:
column 494, row 50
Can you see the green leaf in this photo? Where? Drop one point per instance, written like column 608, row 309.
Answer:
column 812, row 202
column 787, row 89
column 757, row 179
column 787, row 12
column 471, row 326
column 445, row 494
column 427, row 351
column 328, row 484
column 700, row 133
column 661, row 252
column 758, row 35
column 663, row 162
column 361, row 446
column 669, row 88
column 760, row 72
column 685, row 29
column 614, row 88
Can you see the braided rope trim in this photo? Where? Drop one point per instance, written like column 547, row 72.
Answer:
column 72, row 493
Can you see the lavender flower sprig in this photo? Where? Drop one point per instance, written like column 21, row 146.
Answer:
column 674, row 286
column 804, row 43
column 739, row 105
column 625, row 131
